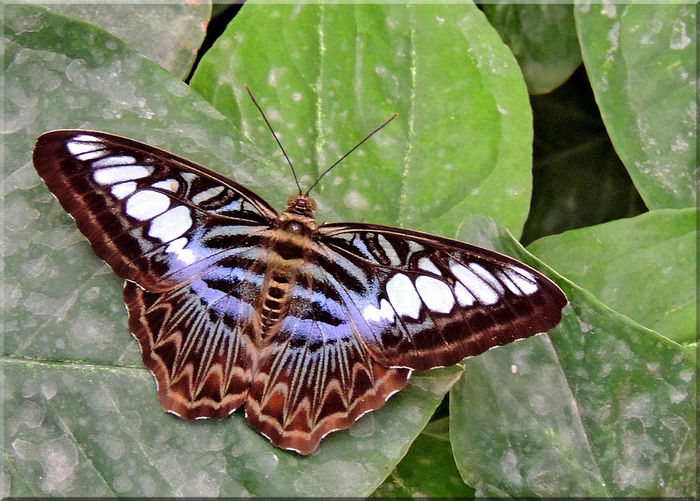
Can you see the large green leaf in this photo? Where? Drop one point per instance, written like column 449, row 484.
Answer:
column 643, row 267
column 329, row 74
column 542, row 38
column 84, row 415
column 600, row 406
column 641, row 60
column 168, row 33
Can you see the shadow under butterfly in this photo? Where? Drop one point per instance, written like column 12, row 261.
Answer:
column 309, row 327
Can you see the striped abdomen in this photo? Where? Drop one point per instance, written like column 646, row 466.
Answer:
column 288, row 248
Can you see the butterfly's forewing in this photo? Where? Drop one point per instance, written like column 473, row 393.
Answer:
column 431, row 301
column 158, row 220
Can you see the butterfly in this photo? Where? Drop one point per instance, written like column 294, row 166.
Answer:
column 306, row 326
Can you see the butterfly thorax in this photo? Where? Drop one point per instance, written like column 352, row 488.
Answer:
column 288, row 247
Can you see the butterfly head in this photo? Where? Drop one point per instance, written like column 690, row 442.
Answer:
column 301, row 205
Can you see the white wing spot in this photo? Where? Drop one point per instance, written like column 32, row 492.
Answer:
column 381, row 315
column 207, row 194
column 487, row 277
column 167, row 185
column 476, row 286
column 146, row 204
column 188, row 176
column 523, row 279
column 464, row 297
column 388, row 250
column 171, row 224
column 83, row 144
column 427, row 265
column 122, row 190
column 113, row 161
column 177, row 247
column 113, row 175
column 403, row 296
column 435, row 293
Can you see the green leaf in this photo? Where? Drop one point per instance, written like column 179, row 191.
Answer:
column 329, row 74
column 641, row 60
column 642, row 267
column 169, row 34
column 84, row 430
column 84, row 415
column 428, row 470
column 578, row 178
column 600, row 406
column 543, row 40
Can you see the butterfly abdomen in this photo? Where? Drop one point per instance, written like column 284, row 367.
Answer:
column 288, row 247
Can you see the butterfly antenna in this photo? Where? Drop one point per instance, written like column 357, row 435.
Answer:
column 353, row 149
column 294, row 173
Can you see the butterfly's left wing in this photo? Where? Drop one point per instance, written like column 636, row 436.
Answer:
column 178, row 233
column 422, row 301
column 157, row 219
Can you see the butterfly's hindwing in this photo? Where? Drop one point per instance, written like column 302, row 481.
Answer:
column 157, row 219
column 200, row 357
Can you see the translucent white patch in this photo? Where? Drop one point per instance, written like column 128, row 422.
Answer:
column 413, row 247
column 92, row 155
column 122, row 190
column 464, row 297
column 475, row 285
column 207, row 194
column 523, row 279
column 177, row 247
column 403, row 296
column 112, row 175
column 435, row 293
column 167, row 185
column 427, row 265
column 381, row 315
column 146, row 204
column 487, row 276
column 388, row 250
column 83, row 144
column 171, row 224
column 188, row 176
column 114, row 161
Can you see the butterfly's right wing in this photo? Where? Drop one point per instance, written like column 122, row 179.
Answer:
column 424, row 301
column 158, row 220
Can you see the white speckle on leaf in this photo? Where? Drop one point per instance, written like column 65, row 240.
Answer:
column 113, row 447
column 609, row 10
column 48, row 389
column 264, row 463
column 201, row 486
column 614, row 39
column 679, row 38
column 59, row 459
column 364, row 427
column 677, row 396
column 355, row 200
column 122, row 484
column 686, row 375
